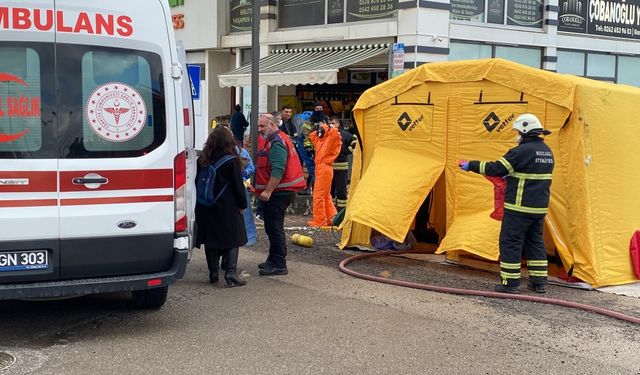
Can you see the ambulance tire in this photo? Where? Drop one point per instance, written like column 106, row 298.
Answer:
column 150, row 298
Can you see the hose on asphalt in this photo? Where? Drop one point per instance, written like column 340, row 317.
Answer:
column 471, row 292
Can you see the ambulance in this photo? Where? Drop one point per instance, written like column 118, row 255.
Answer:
column 96, row 150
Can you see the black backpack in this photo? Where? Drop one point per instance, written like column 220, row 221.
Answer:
column 205, row 194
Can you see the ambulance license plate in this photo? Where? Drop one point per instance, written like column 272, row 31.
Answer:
column 24, row 260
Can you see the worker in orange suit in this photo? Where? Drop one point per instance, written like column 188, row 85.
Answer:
column 327, row 143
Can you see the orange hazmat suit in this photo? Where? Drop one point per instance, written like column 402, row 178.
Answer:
column 327, row 149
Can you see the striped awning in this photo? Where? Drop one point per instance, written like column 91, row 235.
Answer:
column 302, row 66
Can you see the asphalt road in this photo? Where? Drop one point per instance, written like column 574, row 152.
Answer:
column 317, row 320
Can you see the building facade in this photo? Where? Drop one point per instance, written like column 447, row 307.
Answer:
column 333, row 50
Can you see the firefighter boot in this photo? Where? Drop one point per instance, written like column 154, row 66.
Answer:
column 230, row 263
column 537, row 284
column 508, row 286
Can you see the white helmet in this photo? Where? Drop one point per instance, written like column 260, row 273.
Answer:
column 526, row 123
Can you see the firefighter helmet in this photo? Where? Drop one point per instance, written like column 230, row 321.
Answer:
column 526, row 123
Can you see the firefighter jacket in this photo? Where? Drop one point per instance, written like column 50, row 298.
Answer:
column 292, row 180
column 528, row 168
column 349, row 142
column 306, row 130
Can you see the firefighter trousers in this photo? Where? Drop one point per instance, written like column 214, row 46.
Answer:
column 339, row 188
column 518, row 233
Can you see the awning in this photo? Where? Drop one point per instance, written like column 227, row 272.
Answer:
column 302, row 66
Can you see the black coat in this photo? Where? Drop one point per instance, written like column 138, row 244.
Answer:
column 238, row 125
column 221, row 226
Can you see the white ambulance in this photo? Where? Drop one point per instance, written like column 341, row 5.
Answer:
column 96, row 150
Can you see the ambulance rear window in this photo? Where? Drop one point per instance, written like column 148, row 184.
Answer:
column 115, row 98
column 20, row 101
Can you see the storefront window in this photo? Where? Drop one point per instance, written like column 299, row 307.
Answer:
column 601, row 66
column 628, row 72
column 527, row 56
column 570, row 63
column 464, row 51
column 467, row 51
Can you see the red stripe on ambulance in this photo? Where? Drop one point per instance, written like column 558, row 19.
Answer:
column 120, row 179
column 22, row 181
column 28, row 203
column 115, row 200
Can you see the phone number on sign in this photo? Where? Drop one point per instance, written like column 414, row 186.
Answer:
column 375, row 8
column 388, row 3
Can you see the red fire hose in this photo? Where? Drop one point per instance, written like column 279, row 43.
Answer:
column 470, row 292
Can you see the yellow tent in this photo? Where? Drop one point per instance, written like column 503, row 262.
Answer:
column 415, row 127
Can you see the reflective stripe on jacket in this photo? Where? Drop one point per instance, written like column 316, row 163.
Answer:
column 528, row 168
column 292, row 180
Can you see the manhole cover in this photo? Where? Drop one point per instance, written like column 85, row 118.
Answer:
column 6, row 360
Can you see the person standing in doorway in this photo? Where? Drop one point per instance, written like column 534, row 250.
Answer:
column 528, row 168
column 341, row 165
column 278, row 177
column 222, row 237
column 239, row 125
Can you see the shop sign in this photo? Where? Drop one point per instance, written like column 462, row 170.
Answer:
column 519, row 12
column 397, row 59
column 294, row 13
column 617, row 18
column 241, row 15
column 495, row 12
column 336, row 11
column 178, row 21
column 361, row 10
column 468, row 10
column 525, row 13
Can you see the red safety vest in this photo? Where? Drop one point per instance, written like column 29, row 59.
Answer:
column 292, row 180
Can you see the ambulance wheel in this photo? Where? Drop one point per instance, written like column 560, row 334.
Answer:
column 150, row 298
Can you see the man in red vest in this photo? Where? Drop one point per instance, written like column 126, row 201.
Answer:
column 278, row 177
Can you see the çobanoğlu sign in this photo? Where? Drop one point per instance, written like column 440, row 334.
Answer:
column 618, row 18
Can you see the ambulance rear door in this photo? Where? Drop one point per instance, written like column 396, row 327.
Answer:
column 118, row 141
column 29, row 225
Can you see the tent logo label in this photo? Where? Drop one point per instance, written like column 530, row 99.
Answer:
column 492, row 122
column 406, row 123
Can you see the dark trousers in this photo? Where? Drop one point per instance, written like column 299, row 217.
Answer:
column 339, row 188
column 520, row 233
column 274, row 211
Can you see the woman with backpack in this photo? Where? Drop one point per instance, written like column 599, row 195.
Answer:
column 219, row 220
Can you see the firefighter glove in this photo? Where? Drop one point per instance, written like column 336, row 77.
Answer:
column 464, row 165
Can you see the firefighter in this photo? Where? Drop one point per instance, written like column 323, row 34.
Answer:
column 327, row 143
column 341, row 165
column 528, row 168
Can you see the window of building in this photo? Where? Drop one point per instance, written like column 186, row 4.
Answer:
column 468, row 51
column 628, row 72
column 526, row 56
column 601, row 66
column 570, row 63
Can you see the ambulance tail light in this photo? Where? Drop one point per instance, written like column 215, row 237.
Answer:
column 179, row 192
